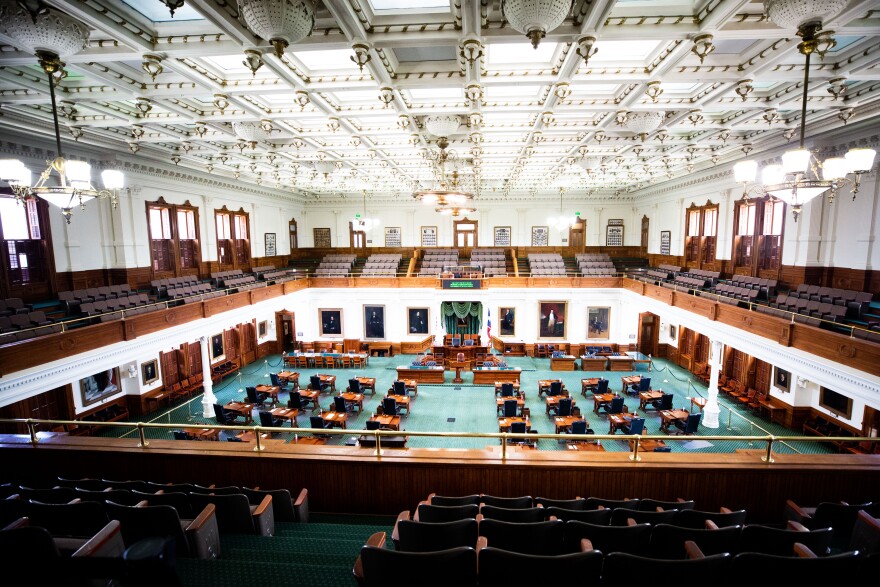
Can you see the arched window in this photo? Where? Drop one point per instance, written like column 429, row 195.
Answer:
column 174, row 238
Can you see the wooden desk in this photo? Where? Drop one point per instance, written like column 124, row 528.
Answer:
column 335, row 419
column 156, row 397
column 626, row 381
column 504, row 423
column 621, row 363
column 600, row 399
column 646, row 397
column 242, row 409
column 772, row 409
column 618, row 421
column 265, row 438
column 544, row 385
column 516, row 390
column 329, row 380
column 565, row 363
column 515, row 349
column 552, row 402
column 594, row 363
column 309, row 396
column 353, row 400
column 387, row 422
column 421, row 374
column 270, row 390
column 586, row 446
column 650, row 445
column 563, row 423
column 367, row 383
column 589, row 384
column 380, row 347
column 411, row 385
column 699, row 402
column 499, row 404
column 202, row 433
column 489, row 376
column 403, row 402
column 290, row 377
column 288, row 414
column 668, row 417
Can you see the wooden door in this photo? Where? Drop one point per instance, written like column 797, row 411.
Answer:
column 465, row 233
column 285, row 332
column 648, row 333
column 576, row 240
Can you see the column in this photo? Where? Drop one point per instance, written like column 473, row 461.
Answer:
column 208, row 398
column 712, row 409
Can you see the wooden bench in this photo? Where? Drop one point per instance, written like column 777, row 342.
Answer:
column 110, row 412
column 821, row 425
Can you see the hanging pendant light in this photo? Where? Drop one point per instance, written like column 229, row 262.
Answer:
column 281, row 22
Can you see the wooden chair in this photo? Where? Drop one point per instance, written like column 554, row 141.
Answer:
column 302, row 362
column 747, row 398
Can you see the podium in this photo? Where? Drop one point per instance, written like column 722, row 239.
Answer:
column 458, row 366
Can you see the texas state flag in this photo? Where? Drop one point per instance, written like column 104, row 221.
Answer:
column 489, row 325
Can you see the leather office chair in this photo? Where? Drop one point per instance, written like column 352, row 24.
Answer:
column 277, row 382
column 389, row 404
column 509, row 408
column 635, row 426
column 690, row 425
column 399, row 388
column 507, row 390
column 222, row 416
column 354, row 385
column 555, row 388
column 254, row 397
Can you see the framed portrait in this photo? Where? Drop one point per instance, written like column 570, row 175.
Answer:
column 781, row 379
column 507, row 325
column 150, row 371
column 217, row 351
column 597, row 322
column 330, row 321
column 322, row 238
column 392, row 236
column 262, row 328
column 540, row 236
column 270, row 244
column 551, row 319
column 502, row 236
column 613, row 235
column 429, row 236
column 417, row 320
column 665, row 240
column 374, row 322
column 96, row 387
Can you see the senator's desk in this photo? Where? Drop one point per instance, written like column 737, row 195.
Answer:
column 421, row 374
column 621, row 363
column 565, row 363
column 489, row 375
column 594, row 363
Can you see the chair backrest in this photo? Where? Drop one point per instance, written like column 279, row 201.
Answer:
column 389, row 404
column 295, row 401
column 697, row 518
column 399, row 387
column 454, row 566
column 509, row 408
column 839, row 516
column 631, row 539
column 555, row 388
column 574, row 504
column 506, row 389
column 520, row 515
column 469, row 342
column 233, row 511
column 637, row 425
column 220, row 414
column 651, row 505
column 523, row 501
column 273, row 377
column 282, row 502
column 666, row 401
column 266, row 419
column 252, row 395
column 446, row 513
column 373, row 425
column 781, row 541
column 83, row 519
column 354, row 385
column 517, row 427
column 504, row 568
column 541, row 538
column 821, row 570
column 339, row 403
column 693, row 423
column 616, row 406
column 432, row 536
column 621, row 563
column 316, row 422
column 602, row 387
column 644, row 384
column 564, row 407
column 176, row 499
column 179, row 435
column 155, row 521
column 456, row 341
column 621, row 517
column 315, row 382
column 593, row 503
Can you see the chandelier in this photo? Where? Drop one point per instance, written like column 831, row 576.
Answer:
column 281, row 22
column 448, row 199
column 643, row 122
column 802, row 176
column 562, row 222
column 535, row 18
column 52, row 35
column 363, row 223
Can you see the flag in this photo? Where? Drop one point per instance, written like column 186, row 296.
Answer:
column 489, row 325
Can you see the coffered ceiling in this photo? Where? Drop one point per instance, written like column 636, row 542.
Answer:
column 312, row 123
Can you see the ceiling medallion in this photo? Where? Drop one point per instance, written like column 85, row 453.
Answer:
column 152, row 65
column 585, row 48
column 535, row 18
column 654, row 90
column 281, row 22
column 703, row 46
column 744, row 88
column 253, row 60
column 361, row 54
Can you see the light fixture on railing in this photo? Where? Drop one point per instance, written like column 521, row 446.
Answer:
column 802, row 176
column 51, row 35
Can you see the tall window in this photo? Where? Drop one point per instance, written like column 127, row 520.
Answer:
column 757, row 242
column 24, row 246
column 701, row 235
column 233, row 238
column 174, row 237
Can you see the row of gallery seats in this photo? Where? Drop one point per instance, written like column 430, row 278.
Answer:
column 595, row 265
column 488, row 540
column 382, row 265
column 335, row 266
column 546, row 264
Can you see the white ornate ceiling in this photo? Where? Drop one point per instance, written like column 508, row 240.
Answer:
column 311, row 122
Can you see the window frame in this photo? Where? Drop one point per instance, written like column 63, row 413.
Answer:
column 184, row 254
column 232, row 252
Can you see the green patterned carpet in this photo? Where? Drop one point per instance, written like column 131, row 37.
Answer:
column 467, row 408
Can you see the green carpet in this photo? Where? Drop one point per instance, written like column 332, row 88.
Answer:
column 468, row 408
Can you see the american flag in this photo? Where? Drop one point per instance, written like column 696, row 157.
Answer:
column 489, row 325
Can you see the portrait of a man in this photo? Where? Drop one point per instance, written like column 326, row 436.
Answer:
column 782, row 379
column 418, row 320
column 331, row 321
column 597, row 323
column 374, row 322
column 217, row 347
column 149, row 371
column 508, row 321
column 551, row 320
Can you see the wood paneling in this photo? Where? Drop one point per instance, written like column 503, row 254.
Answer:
column 154, row 321
column 265, row 293
column 226, row 303
column 701, row 306
column 22, row 355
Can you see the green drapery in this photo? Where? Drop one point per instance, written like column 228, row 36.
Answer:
column 472, row 312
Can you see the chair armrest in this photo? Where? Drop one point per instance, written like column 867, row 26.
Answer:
column 430, row 495
column 482, row 542
column 264, row 517
column 796, row 526
column 19, row 523
column 710, row 525
column 796, row 513
column 106, row 543
column 301, row 506
column 803, row 551
column 631, row 522
column 377, row 540
column 404, row 515
column 586, row 545
column 203, row 534
column 142, row 503
column 725, row 510
column 693, row 551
